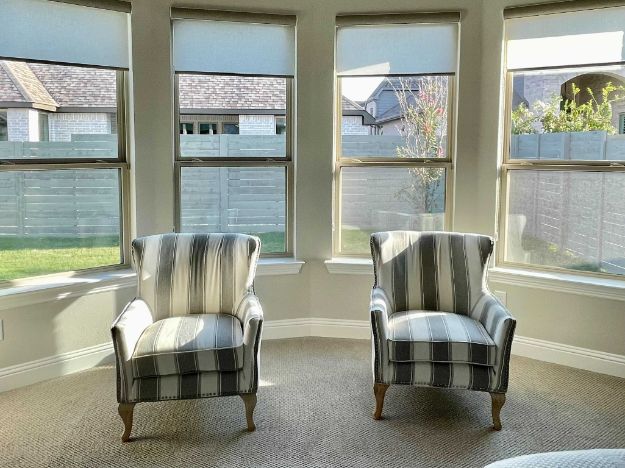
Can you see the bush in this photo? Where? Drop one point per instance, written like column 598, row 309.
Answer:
column 564, row 115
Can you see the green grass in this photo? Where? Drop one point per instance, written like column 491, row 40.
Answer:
column 355, row 242
column 34, row 256
column 271, row 242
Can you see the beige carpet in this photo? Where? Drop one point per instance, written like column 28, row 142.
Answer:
column 314, row 409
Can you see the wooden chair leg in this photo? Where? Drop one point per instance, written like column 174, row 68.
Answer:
column 125, row 411
column 250, row 403
column 498, row 400
column 379, row 390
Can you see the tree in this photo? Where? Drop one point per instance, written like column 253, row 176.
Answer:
column 423, row 126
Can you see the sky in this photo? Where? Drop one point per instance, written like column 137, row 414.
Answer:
column 359, row 88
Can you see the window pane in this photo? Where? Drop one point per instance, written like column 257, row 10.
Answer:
column 58, row 220
column 395, row 117
column 567, row 219
column 382, row 199
column 247, row 106
column 250, row 200
column 57, row 111
column 208, row 129
column 568, row 114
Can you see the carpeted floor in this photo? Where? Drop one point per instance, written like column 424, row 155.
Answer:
column 314, row 409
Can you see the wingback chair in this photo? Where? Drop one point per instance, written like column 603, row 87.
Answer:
column 194, row 329
column 435, row 323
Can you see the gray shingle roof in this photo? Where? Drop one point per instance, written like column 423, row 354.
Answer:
column 89, row 88
column 231, row 92
column 8, row 91
column 78, row 86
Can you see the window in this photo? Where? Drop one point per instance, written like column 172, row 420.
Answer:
column 234, row 163
column 621, row 124
column 394, row 152
column 4, row 126
column 563, row 177
column 62, row 169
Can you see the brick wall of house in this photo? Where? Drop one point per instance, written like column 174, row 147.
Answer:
column 352, row 125
column 63, row 125
column 257, row 124
column 22, row 125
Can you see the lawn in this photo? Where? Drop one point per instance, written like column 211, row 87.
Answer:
column 35, row 256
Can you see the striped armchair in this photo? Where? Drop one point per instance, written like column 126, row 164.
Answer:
column 194, row 329
column 435, row 323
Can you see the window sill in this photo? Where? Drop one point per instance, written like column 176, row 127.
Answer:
column 279, row 266
column 604, row 288
column 350, row 266
column 54, row 288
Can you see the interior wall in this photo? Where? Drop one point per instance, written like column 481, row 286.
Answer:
column 46, row 329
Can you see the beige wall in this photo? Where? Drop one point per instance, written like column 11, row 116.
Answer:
column 45, row 329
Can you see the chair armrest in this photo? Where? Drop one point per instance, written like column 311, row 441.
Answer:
column 129, row 326
column 500, row 325
column 126, row 330
column 380, row 309
column 250, row 313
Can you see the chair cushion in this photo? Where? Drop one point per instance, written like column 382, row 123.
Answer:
column 417, row 335
column 189, row 344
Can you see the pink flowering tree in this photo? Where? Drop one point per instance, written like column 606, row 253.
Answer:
column 423, row 126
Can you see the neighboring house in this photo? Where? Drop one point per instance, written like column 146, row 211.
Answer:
column 37, row 104
column 530, row 88
column 384, row 106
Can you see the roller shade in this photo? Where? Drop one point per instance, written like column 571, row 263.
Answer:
column 397, row 49
column 58, row 32
column 561, row 39
column 234, row 47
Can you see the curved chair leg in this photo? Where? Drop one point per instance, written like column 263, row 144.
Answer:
column 498, row 400
column 250, row 403
column 379, row 390
column 125, row 411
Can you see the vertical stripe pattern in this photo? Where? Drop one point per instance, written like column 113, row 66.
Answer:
column 431, row 270
column 181, row 274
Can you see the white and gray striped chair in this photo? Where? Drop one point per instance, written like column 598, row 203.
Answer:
column 435, row 323
column 194, row 329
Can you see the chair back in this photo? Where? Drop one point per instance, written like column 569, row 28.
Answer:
column 180, row 274
column 431, row 270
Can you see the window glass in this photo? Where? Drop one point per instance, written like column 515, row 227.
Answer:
column 567, row 219
column 249, row 200
column 568, row 114
column 208, row 128
column 255, row 101
column 57, row 111
column 389, row 198
column 58, row 220
column 409, row 119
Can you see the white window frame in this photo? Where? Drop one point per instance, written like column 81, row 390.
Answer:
column 261, row 161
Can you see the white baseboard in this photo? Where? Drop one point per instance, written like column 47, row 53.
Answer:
column 541, row 350
column 67, row 363
column 572, row 356
column 32, row 372
column 327, row 328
